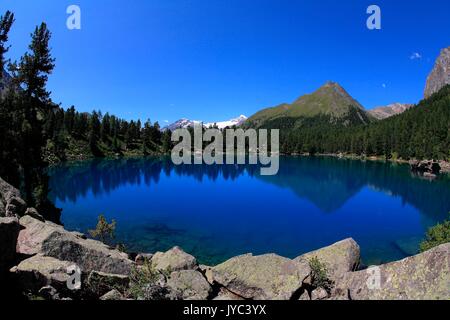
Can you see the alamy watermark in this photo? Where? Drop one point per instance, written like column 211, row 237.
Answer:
column 374, row 280
column 73, row 22
column 74, row 280
column 374, row 20
column 240, row 145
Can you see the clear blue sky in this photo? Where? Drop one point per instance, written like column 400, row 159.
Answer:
column 216, row 59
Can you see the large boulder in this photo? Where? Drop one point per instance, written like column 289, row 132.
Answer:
column 52, row 240
column 34, row 234
column 113, row 295
column 266, row 277
column 191, row 284
column 9, row 231
column 339, row 258
column 15, row 207
column 7, row 191
column 32, row 212
column 425, row 276
column 173, row 260
column 11, row 203
column 38, row 271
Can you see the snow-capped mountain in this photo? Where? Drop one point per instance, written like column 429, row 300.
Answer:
column 186, row 123
column 180, row 124
column 233, row 122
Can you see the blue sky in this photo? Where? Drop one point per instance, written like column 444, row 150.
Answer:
column 216, row 59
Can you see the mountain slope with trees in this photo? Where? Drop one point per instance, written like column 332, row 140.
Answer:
column 422, row 132
column 330, row 100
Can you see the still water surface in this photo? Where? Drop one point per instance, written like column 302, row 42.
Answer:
column 216, row 212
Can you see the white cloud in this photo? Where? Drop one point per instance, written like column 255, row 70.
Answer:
column 384, row 85
column 415, row 56
column 166, row 121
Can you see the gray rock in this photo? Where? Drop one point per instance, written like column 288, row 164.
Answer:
column 319, row 294
column 142, row 258
column 37, row 272
column 208, row 272
column 225, row 295
column 35, row 232
column 425, row 276
column 266, row 277
column 32, row 212
column 174, row 260
column 445, row 166
column 440, row 76
column 7, row 191
column 100, row 283
column 11, row 203
column 192, row 284
column 304, row 296
column 9, row 231
column 52, row 240
column 112, row 295
column 49, row 293
column 15, row 207
column 79, row 235
column 339, row 258
column 152, row 292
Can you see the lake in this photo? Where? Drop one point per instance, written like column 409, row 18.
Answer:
column 216, row 212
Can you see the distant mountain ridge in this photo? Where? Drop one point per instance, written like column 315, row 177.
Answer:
column 330, row 100
column 382, row 113
column 186, row 123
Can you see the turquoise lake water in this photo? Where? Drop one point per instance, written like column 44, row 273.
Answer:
column 216, row 212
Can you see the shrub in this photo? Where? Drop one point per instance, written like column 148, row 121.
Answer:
column 141, row 277
column 436, row 236
column 319, row 274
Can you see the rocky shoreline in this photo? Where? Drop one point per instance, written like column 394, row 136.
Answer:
column 40, row 260
column 426, row 168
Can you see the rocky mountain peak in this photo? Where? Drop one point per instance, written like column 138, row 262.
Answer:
column 331, row 87
column 332, row 84
column 440, row 76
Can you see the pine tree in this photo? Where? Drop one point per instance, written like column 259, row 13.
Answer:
column 7, row 167
column 6, row 23
column 94, row 133
column 30, row 105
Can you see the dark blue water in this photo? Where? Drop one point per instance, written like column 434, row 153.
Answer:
column 216, row 212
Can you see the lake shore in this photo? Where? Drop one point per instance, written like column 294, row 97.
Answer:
column 445, row 165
